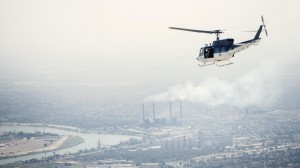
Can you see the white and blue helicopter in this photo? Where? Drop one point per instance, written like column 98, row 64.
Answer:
column 222, row 50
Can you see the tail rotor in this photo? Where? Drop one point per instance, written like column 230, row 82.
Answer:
column 264, row 26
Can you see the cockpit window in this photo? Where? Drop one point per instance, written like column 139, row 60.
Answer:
column 201, row 52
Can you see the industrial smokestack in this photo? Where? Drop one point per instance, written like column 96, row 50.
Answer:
column 143, row 114
column 153, row 113
column 171, row 116
column 180, row 112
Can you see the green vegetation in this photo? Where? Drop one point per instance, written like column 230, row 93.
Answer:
column 40, row 163
column 145, row 156
column 72, row 141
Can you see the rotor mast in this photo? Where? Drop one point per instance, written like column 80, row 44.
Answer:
column 218, row 35
column 217, row 32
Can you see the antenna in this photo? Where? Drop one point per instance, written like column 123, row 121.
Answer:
column 263, row 22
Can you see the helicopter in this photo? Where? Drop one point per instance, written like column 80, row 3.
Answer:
column 222, row 50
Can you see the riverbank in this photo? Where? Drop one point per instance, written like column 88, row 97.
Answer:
column 71, row 141
column 25, row 147
column 90, row 140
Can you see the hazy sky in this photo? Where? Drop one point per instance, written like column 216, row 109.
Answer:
column 117, row 42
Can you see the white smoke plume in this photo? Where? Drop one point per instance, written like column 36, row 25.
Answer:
column 255, row 88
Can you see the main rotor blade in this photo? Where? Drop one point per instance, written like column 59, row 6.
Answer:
column 243, row 31
column 198, row 31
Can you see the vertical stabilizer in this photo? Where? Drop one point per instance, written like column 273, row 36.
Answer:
column 258, row 32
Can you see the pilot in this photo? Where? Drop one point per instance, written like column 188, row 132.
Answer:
column 206, row 53
column 209, row 53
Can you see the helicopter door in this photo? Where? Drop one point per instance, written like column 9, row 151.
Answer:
column 209, row 52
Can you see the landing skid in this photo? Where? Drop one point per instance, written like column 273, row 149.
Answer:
column 204, row 64
column 220, row 65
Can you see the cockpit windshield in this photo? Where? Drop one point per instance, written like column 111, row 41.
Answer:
column 201, row 52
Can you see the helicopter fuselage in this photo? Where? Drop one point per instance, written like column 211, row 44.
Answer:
column 222, row 50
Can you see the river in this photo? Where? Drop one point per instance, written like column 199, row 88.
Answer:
column 90, row 141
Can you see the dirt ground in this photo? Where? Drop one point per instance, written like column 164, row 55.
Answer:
column 33, row 145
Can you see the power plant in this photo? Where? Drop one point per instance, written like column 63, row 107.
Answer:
column 159, row 122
